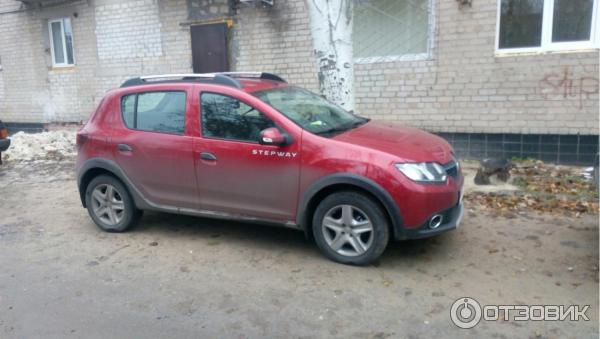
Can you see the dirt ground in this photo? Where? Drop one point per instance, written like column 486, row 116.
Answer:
column 183, row 277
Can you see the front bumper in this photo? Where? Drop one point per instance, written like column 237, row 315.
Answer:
column 451, row 220
column 4, row 143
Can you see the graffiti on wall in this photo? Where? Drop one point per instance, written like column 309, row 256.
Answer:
column 565, row 85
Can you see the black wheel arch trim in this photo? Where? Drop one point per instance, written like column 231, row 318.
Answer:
column 384, row 197
column 113, row 168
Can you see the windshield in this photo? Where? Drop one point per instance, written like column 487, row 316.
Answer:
column 310, row 111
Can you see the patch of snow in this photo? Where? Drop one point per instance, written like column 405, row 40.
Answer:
column 53, row 146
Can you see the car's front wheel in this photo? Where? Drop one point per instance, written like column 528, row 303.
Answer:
column 110, row 205
column 350, row 228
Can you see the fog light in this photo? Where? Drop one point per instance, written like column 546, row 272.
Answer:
column 436, row 221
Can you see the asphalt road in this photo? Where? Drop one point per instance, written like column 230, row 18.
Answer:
column 183, row 277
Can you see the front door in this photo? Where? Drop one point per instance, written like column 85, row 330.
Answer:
column 237, row 175
column 209, row 48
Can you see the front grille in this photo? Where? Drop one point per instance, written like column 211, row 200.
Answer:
column 452, row 168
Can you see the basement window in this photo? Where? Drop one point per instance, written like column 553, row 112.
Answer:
column 547, row 25
column 391, row 30
column 61, row 42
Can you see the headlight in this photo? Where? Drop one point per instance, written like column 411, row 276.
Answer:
column 423, row 172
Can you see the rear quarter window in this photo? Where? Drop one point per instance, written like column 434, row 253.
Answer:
column 162, row 112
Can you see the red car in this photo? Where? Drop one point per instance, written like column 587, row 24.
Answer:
column 4, row 140
column 248, row 146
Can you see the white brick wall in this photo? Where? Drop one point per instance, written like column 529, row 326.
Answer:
column 113, row 40
column 20, row 67
column 128, row 29
column 2, row 95
column 464, row 87
column 276, row 40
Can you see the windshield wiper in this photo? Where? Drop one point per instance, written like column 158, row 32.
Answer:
column 344, row 128
column 332, row 130
column 362, row 121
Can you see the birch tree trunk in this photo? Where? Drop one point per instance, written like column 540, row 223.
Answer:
column 331, row 30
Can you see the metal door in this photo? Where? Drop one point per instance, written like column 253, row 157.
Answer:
column 209, row 48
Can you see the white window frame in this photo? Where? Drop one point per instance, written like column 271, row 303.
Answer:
column 546, row 45
column 411, row 56
column 64, row 43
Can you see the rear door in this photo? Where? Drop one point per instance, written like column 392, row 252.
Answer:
column 152, row 147
column 236, row 175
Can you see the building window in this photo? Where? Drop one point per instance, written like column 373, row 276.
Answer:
column 389, row 30
column 547, row 25
column 61, row 42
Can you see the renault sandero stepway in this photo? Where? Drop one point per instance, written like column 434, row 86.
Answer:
column 251, row 147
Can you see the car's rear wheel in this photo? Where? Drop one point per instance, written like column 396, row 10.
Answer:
column 350, row 228
column 110, row 205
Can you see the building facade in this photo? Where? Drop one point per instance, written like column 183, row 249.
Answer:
column 495, row 77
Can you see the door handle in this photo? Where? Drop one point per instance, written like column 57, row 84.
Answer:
column 124, row 148
column 208, row 156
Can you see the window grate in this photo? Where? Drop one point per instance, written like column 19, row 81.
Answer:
column 390, row 28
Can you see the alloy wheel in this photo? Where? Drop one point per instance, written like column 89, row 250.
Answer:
column 107, row 204
column 347, row 230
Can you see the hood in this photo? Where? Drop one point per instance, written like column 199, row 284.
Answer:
column 408, row 143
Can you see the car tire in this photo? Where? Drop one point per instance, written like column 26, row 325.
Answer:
column 110, row 205
column 350, row 228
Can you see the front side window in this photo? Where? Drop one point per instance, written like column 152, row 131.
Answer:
column 547, row 24
column 388, row 29
column 310, row 111
column 61, row 42
column 224, row 117
column 155, row 111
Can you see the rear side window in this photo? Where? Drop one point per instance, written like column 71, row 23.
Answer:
column 155, row 111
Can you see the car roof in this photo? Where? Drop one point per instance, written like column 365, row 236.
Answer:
column 245, row 81
column 255, row 85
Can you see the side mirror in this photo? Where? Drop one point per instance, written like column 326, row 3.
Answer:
column 272, row 136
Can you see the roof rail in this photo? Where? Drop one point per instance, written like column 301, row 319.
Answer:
column 214, row 77
column 260, row 75
column 224, row 78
